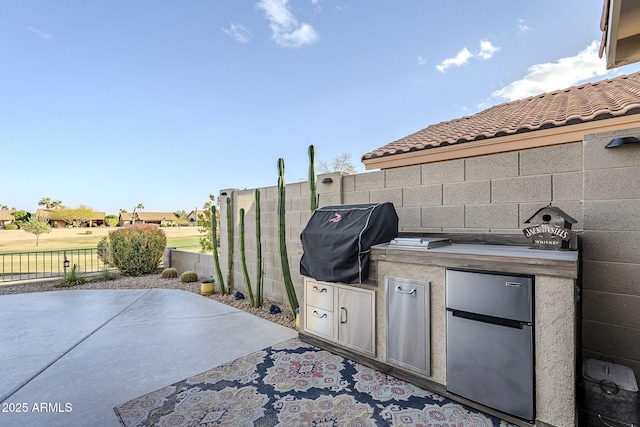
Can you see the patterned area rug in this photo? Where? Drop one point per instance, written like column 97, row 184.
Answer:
column 296, row 384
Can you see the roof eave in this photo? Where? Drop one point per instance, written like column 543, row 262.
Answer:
column 503, row 144
column 621, row 32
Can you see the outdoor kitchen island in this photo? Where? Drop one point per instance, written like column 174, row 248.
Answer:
column 555, row 291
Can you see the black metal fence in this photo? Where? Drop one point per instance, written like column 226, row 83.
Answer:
column 45, row 264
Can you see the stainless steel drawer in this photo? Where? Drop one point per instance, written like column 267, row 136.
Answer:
column 319, row 295
column 319, row 321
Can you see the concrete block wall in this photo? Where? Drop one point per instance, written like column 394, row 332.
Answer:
column 298, row 212
column 497, row 193
column 611, row 249
column 189, row 261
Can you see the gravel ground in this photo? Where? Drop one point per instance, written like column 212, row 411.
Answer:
column 285, row 318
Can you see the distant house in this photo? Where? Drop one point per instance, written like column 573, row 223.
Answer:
column 163, row 219
column 193, row 217
column 6, row 217
column 47, row 214
column 96, row 220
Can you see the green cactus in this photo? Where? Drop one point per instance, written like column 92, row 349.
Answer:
column 230, row 249
column 243, row 258
column 258, row 300
column 284, row 259
column 189, row 277
column 169, row 273
column 312, row 178
column 214, row 246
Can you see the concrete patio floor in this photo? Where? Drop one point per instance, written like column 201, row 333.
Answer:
column 68, row 357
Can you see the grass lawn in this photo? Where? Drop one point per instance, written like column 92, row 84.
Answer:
column 12, row 241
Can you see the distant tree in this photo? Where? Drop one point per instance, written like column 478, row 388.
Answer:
column 36, row 226
column 181, row 217
column 73, row 216
column 21, row 217
column 204, row 222
column 111, row 220
column 139, row 206
column 48, row 204
column 4, row 208
column 341, row 163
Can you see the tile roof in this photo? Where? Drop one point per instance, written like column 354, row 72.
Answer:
column 149, row 216
column 6, row 215
column 578, row 104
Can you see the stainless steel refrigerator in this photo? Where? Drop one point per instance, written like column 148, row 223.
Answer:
column 490, row 341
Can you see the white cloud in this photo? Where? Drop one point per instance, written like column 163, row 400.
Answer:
column 421, row 60
column 564, row 73
column 460, row 59
column 238, row 32
column 40, row 33
column 316, row 5
column 285, row 28
column 522, row 27
column 487, row 50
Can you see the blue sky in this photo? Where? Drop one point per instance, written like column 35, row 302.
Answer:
column 114, row 103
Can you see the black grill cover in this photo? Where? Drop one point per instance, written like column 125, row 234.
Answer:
column 337, row 240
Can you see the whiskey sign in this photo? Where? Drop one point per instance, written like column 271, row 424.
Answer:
column 550, row 229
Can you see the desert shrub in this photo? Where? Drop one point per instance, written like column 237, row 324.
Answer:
column 169, row 273
column 138, row 249
column 73, row 277
column 11, row 227
column 104, row 251
column 88, row 232
column 189, row 276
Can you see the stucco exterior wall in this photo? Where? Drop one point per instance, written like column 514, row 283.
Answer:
column 598, row 187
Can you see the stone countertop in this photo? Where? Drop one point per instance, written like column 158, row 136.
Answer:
column 497, row 258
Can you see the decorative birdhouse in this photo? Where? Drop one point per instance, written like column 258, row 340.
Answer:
column 550, row 228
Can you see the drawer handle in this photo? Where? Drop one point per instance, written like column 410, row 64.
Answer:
column 343, row 315
column 402, row 291
column 315, row 314
column 316, row 289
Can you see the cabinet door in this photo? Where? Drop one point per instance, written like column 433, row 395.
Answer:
column 408, row 323
column 355, row 313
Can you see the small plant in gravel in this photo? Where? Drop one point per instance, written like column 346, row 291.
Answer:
column 106, row 275
column 189, row 277
column 169, row 273
column 73, row 277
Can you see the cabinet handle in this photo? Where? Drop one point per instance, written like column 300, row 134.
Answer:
column 316, row 289
column 343, row 315
column 315, row 314
column 401, row 291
